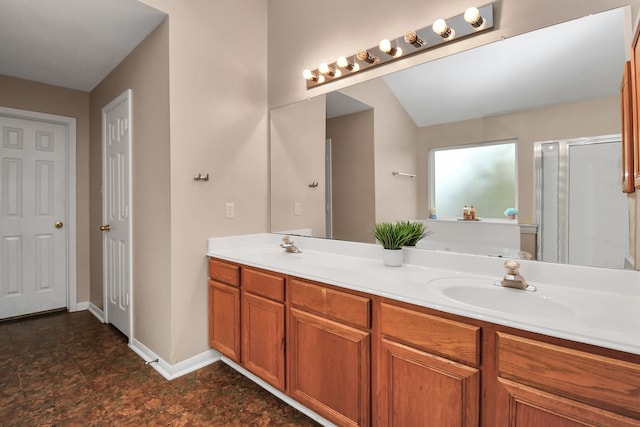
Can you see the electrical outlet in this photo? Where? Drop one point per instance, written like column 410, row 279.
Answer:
column 229, row 210
column 297, row 208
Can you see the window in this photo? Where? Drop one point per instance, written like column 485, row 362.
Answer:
column 483, row 176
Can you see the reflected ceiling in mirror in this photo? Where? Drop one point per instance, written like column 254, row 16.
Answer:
column 564, row 63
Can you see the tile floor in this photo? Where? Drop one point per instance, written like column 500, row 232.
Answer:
column 68, row 369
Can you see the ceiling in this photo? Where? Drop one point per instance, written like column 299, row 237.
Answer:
column 570, row 62
column 70, row 43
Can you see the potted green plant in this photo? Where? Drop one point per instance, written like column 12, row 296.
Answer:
column 392, row 236
column 418, row 231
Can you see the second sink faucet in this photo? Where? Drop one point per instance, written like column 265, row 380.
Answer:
column 513, row 279
column 288, row 245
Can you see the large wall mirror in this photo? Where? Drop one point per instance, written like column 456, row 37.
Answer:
column 343, row 161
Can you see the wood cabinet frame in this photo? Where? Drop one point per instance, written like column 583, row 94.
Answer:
column 628, row 120
column 634, row 80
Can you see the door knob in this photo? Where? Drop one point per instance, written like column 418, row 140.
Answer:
column 58, row 224
column 106, row 227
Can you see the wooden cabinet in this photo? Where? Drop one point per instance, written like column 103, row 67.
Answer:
column 263, row 325
column 551, row 385
column 329, row 353
column 358, row 359
column 427, row 370
column 224, row 308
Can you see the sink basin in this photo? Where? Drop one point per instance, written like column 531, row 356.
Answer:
column 480, row 292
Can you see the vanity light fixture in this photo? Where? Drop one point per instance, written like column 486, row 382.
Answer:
column 386, row 46
column 365, row 55
column 473, row 17
column 347, row 64
column 441, row 28
column 412, row 38
column 474, row 20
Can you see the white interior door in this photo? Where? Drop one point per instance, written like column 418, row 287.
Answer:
column 33, row 251
column 116, row 172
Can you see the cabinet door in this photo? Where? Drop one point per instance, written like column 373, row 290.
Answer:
column 529, row 407
column 224, row 319
column 419, row 389
column 263, row 338
column 568, row 387
column 329, row 368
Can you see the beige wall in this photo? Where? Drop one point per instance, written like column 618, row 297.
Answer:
column 218, row 125
column 297, row 139
column 31, row 96
column 395, row 151
column 352, row 143
column 146, row 72
column 589, row 118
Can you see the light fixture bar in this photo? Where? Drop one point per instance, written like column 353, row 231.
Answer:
column 425, row 39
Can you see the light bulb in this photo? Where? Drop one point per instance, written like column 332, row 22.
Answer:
column 441, row 28
column 385, row 46
column 364, row 55
column 411, row 37
column 343, row 62
column 473, row 17
column 308, row 75
column 326, row 70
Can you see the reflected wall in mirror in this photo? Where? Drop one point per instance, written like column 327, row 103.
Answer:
column 556, row 83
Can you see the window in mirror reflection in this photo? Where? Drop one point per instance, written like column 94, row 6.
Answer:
column 482, row 175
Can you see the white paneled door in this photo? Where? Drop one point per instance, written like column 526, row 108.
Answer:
column 33, row 223
column 116, row 179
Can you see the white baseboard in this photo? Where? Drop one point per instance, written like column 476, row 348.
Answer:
column 99, row 314
column 173, row 371
column 81, row 306
column 277, row 393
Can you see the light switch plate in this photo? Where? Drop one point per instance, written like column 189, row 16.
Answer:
column 229, row 210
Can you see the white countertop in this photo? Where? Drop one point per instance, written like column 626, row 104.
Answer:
column 590, row 305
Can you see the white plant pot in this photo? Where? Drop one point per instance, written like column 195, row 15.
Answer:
column 392, row 257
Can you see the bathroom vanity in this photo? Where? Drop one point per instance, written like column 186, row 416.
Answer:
column 430, row 343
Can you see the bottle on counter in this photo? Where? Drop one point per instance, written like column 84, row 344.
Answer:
column 472, row 212
column 465, row 212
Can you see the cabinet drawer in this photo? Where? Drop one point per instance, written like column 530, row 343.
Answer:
column 224, row 272
column 268, row 285
column 451, row 339
column 598, row 380
column 341, row 306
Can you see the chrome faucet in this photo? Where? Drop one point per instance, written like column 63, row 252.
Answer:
column 288, row 245
column 513, row 279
